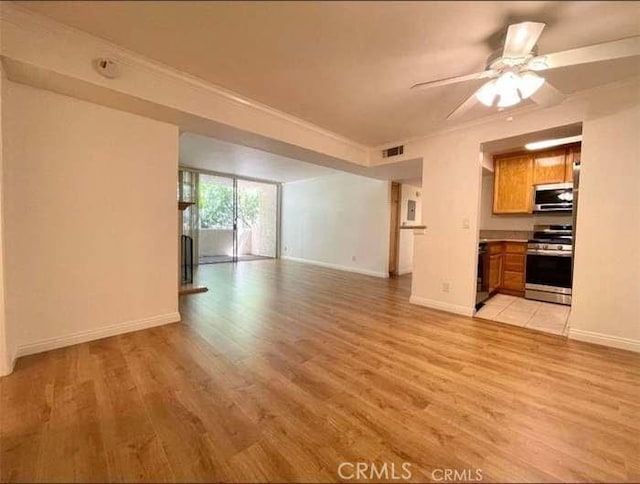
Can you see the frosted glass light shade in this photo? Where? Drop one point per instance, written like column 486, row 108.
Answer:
column 529, row 83
column 507, row 87
column 510, row 88
column 487, row 93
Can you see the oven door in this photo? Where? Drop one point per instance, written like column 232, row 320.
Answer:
column 549, row 271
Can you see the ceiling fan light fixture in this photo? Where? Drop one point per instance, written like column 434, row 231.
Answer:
column 487, row 93
column 538, row 64
column 529, row 83
column 507, row 88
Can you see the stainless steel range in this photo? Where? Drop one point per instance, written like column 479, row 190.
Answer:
column 549, row 264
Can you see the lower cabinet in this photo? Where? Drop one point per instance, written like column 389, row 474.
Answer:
column 495, row 272
column 507, row 267
column 513, row 281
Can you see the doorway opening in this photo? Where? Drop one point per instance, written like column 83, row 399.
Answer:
column 233, row 218
column 394, row 229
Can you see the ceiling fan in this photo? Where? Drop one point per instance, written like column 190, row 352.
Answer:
column 512, row 73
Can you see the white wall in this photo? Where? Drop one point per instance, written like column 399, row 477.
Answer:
column 450, row 211
column 333, row 219
column 90, row 218
column 405, row 256
column 6, row 339
column 489, row 221
column 606, row 283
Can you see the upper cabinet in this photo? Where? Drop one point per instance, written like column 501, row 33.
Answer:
column 517, row 174
column 513, row 184
column 573, row 156
column 549, row 167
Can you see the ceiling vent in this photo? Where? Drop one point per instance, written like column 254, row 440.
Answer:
column 395, row 151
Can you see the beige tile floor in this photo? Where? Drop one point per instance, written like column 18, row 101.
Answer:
column 542, row 316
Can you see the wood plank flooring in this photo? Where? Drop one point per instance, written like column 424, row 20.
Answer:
column 282, row 371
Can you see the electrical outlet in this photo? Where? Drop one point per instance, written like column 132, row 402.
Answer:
column 446, row 286
column 465, row 223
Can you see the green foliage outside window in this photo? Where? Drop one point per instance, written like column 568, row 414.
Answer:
column 216, row 206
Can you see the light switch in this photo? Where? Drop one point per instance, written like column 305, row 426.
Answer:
column 465, row 223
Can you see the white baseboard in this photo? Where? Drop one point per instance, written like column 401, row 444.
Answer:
column 357, row 270
column 442, row 306
column 98, row 333
column 402, row 272
column 6, row 366
column 605, row 339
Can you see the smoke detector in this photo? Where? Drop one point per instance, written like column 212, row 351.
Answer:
column 106, row 67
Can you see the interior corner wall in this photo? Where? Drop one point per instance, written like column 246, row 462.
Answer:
column 339, row 221
column 6, row 341
column 91, row 236
column 450, row 199
column 405, row 253
column 606, row 282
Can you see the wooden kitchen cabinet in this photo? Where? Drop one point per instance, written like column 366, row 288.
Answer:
column 513, row 281
column 507, row 266
column 513, row 268
column 550, row 166
column 513, row 184
column 572, row 157
column 514, row 263
column 495, row 272
column 516, row 174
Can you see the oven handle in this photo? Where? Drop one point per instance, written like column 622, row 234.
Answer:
column 553, row 253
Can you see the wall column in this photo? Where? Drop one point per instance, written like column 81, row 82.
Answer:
column 6, row 351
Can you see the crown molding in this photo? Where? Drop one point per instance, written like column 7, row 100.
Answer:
column 55, row 32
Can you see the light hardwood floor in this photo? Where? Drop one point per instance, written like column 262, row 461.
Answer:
column 282, row 371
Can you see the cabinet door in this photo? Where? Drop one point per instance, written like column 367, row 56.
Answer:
column 514, row 262
column 574, row 157
column 549, row 166
column 495, row 271
column 513, row 281
column 513, row 184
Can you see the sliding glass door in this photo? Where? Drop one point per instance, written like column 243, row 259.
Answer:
column 257, row 219
column 217, row 214
column 236, row 219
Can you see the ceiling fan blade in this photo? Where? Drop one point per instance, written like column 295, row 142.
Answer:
column 522, row 38
column 454, row 80
column 547, row 95
column 464, row 108
column 583, row 55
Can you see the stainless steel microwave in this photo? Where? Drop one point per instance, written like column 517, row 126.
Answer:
column 555, row 197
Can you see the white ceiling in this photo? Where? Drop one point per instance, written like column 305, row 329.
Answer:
column 211, row 154
column 347, row 66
